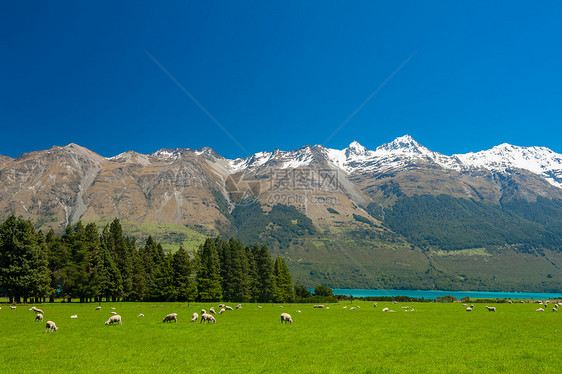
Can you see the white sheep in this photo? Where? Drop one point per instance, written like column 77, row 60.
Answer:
column 221, row 305
column 464, row 304
column 491, row 308
column 212, row 310
column 352, row 308
column 74, row 316
column 222, row 311
column 98, row 307
column 345, row 307
column 50, row 326
column 286, row 317
column 540, row 310
column 12, row 308
column 207, row 318
column 281, row 306
column 319, row 306
column 113, row 313
column 259, row 306
column 39, row 317
column 112, row 308
column 194, row 317
column 140, row 315
column 238, row 306
column 113, row 319
column 171, row 317
column 228, row 307
column 374, row 305
column 469, row 309
column 554, row 309
column 298, row 311
column 385, row 310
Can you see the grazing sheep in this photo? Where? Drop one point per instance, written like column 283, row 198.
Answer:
column 540, row 310
column 221, row 305
column 298, row 311
column 171, row 317
column 469, row 309
column 39, row 317
column 286, row 317
column 112, row 308
column 554, row 309
column 238, row 306
column 74, row 316
column 98, row 307
column 228, row 307
column 113, row 313
column 404, row 307
column 319, row 306
column 385, row 310
column 491, row 308
column 194, row 317
column 259, row 306
column 113, row 319
column 12, row 308
column 222, row 311
column 374, row 305
column 329, row 307
column 140, row 315
column 352, row 308
column 394, row 302
column 207, row 318
column 345, row 307
column 281, row 306
column 50, row 326
column 464, row 304
column 472, row 305
column 212, row 310
column 32, row 308
column 509, row 302
column 411, row 310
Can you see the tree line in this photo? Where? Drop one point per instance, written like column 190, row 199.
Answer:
column 86, row 265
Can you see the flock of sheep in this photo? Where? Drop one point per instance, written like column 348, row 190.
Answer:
column 50, row 326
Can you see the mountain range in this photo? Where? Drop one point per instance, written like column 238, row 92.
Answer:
column 399, row 216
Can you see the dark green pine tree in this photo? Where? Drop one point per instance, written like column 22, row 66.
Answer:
column 121, row 249
column 208, row 272
column 283, row 290
column 112, row 288
column 58, row 255
column 183, row 276
column 96, row 274
column 164, row 280
column 264, row 266
column 23, row 262
column 253, row 278
column 140, row 291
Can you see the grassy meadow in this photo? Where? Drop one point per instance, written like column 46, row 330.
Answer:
column 432, row 338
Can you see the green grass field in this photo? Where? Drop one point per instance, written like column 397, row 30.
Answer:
column 433, row 338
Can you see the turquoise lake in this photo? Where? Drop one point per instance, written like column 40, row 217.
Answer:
column 458, row 294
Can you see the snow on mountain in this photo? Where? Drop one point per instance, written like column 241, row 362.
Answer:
column 538, row 160
column 401, row 152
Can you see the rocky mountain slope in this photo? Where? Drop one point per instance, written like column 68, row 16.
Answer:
column 399, row 216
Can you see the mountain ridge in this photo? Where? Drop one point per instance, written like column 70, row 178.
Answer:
column 346, row 216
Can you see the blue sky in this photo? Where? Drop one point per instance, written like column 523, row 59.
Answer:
column 457, row 76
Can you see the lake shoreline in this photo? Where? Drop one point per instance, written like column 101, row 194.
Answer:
column 433, row 294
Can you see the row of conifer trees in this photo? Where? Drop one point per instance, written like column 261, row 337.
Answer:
column 86, row 265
